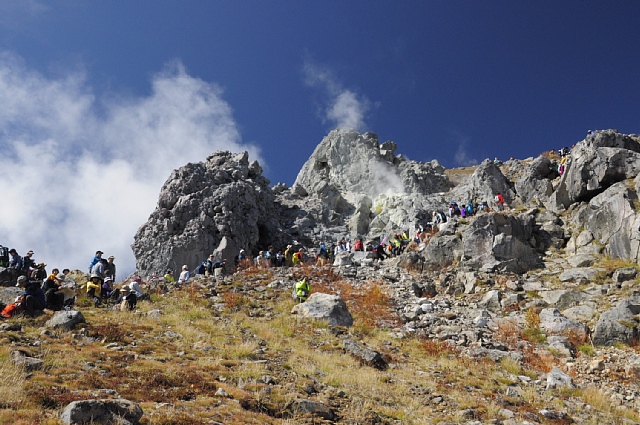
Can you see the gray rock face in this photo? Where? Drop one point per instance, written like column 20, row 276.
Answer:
column 330, row 308
column 618, row 324
column 107, row 412
column 535, row 183
column 347, row 165
column 485, row 182
column 225, row 198
column 500, row 242
column 594, row 164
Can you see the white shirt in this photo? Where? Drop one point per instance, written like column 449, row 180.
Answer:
column 184, row 276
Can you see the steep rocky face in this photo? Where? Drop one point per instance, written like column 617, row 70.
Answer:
column 354, row 186
column 224, row 199
column 364, row 188
column 357, row 165
column 599, row 161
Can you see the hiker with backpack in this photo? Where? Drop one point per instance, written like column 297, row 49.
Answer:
column 302, row 289
column 27, row 264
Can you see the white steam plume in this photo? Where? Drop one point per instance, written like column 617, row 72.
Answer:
column 344, row 109
column 81, row 174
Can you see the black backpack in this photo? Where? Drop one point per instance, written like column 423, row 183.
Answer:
column 201, row 268
column 4, row 256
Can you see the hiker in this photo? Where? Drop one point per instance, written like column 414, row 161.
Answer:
column 95, row 260
column 219, row 267
column 33, row 297
column 297, row 257
column 302, row 289
column 107, row 288
column 184, row 274
column 357, row 245
column 321, row 257
column 53, row 297
column 169, row 276
column 378, row 252
column 279, row 259
column 27, row 264
column 500, row 201
column 100, row 268
column 288, row 256
column 38, row 273
column 94, row 288
column 16, row 261
column 135, row 286
column 127, row 300
column 110, row 268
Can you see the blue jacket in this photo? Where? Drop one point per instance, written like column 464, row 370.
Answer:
column 35, row 290
column 16, row 262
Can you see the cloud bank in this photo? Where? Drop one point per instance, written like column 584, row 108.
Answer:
column 82, row 173
column 344, row 108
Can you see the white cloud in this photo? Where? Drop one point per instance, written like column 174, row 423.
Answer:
column 344, row 108
column 81, row 174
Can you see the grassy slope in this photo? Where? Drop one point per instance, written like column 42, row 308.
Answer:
column 173, row 364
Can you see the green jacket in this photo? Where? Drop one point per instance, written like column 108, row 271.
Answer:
column 303, row 289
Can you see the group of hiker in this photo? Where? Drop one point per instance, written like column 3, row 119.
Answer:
column 42, row 291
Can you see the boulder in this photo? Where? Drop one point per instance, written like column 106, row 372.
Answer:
column 22, row 359
column 558, row 379
column 618, row 324
column 65, row 320
column 106, row 412
column 553, row 322
column 498, row 241
column 314, row 408
column 365, row 355
column 330, row 308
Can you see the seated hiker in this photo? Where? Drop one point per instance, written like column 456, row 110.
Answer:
column 127, row 300
column 302, row 289
column 136, row 290
column 357, row 245
column 169, row 276
column 378, row 251
column 18, row 305
column 53, row 295
column 33, row 297
column 107, row 288
column 94, row 288
column 184, row 274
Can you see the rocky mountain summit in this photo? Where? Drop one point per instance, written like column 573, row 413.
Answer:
column 354, row 186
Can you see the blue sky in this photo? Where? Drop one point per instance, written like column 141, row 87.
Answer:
column 101, row 100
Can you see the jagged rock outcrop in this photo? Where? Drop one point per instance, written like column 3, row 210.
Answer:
column 201, row 204
column 363, row 185
column 599, row 161
column 354, row 186
column 536, row 182
column 485, row 182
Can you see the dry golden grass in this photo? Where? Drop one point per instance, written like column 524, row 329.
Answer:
column 172, row 365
